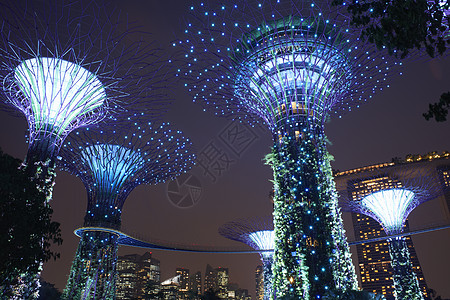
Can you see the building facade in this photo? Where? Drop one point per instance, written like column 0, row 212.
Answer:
column 216, row 280
column 138, row 275
column 195, row 283
column 184, row 279
column 259, row 278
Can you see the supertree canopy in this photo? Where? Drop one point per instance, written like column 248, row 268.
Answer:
column 67, row 64
column 288, row 64
column 388, row 196
column 111, row 164
column 258, row 234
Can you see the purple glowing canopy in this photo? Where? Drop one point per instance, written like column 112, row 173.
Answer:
column 67, row 64
column 257, row 232
column 265, row 60
column 111, row 163
column 389, row 194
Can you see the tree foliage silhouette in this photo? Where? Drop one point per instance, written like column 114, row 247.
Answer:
column 402, row 25
column 26, row 229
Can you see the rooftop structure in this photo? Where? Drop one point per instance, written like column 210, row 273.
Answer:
column 289, row 65
column 111, row 164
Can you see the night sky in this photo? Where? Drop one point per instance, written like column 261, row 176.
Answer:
column 391, row 125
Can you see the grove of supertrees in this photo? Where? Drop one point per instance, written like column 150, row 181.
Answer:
column 290, row 65
column 67, row 64
column 111, row 163
column 390, row 197
column 258, row 234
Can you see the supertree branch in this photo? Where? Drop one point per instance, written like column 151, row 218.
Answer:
column 69, row 64
column 111, row 164
column 263, row 62
column 390, row 207
column 288, row 65
column 388, row 195
column 258, row 234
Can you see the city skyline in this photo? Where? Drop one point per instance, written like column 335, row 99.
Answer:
column 389, row 126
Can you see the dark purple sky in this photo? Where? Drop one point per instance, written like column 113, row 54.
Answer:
column 390, row 125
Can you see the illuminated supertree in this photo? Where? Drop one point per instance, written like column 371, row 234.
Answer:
column 111, row 164
column 389, row 196
column 67, row 64
column 258, row 234
column 288, row 64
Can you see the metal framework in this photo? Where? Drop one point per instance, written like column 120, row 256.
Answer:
column 388, row 196
column 67, row 64
column 258, row 234
column 111, row 164
column 288, row 64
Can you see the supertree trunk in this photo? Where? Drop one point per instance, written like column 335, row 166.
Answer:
column 267, row 261
column 308, row 239
column 406, row 284
column 92, row 275
column 40, row 168
column 40, row 165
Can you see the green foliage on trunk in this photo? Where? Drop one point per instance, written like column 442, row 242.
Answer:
column 311, row 255
column 26, row 231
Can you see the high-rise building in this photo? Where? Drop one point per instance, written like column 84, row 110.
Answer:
column 136, row 274
column 222, row 282
column 195, row 283
column 210, row 279
column 170, row 288
column 184, row 279
column 216, row 280
column 374, row 260
column 444, row 176
column 259, row 277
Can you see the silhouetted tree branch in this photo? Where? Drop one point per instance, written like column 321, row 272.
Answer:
column 401, row 25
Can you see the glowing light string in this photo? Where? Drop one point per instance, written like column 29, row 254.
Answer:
column 111, row 163
column 288, row 64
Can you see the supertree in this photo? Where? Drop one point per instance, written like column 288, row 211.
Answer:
column 67, row 64
column 288, row 64
column 389, row 197
column 111, row 164
column 258, row 234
